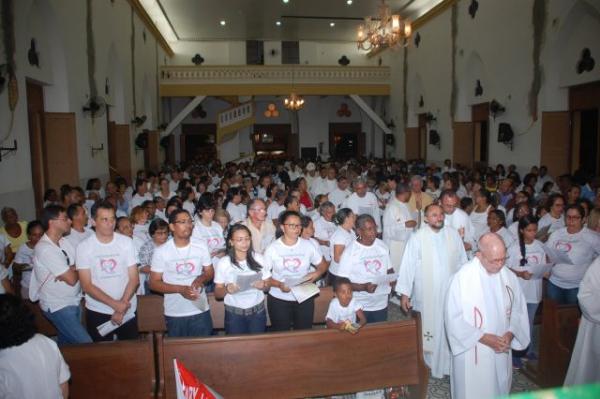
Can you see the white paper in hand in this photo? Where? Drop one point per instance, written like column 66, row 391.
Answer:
column 108, row 327
column 557, row 257
column 304, row 291
column 245, row 282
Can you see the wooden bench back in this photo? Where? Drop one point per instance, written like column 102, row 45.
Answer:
column 120, row 369
column 558, row 334
column 300, row 364
column 150, row 311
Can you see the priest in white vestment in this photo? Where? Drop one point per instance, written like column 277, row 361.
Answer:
column 584, row 367
column 486, row 317
column 398, row 224
column 459, row 219
column 432, row 255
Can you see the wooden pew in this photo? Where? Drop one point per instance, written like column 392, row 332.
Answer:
column 151, row 318
column 120, row 369
column 558, row 334
column 319, row 362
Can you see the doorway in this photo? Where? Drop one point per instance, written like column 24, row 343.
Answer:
column 346, row 140
column 35, row 114
column 588, row 136
column 423, row 137
column 584, row 106
column 480, row 115
column 198, row 142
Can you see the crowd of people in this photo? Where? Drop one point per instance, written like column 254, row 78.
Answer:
column 467, row 248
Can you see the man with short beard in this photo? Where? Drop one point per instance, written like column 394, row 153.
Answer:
column 432, row 255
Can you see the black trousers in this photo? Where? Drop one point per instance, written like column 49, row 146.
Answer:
column 286, row 315
column 125, row 331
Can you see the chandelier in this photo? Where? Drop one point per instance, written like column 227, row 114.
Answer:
column 294, row 102
column 389, row 30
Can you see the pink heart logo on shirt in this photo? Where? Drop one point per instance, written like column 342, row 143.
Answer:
column 563, row 246
column 373, row 266
column 186, row 268
column 291, row 264
column 533, row 259
column 108, row 265
column 213, row 242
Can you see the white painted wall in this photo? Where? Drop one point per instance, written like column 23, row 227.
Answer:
column 59, row 28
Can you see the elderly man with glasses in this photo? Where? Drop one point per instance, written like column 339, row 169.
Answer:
column 262, row 229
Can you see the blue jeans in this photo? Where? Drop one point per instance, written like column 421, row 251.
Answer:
column 376, row 316
column 563, row 296
column 252, row 324
column 198, row 325
column 531, row 309
column 67, row 322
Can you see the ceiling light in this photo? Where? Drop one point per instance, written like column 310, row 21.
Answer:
column 223, row 22
column 278, row 23
column 349, row 2
column 332, row 24
column 387, row 30
column 285, row 1
column 159, row 19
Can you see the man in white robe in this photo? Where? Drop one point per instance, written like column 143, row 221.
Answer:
column 486, row 316
column 398, row 224
column 585, row 359
column 432, row 255
column 457, row 218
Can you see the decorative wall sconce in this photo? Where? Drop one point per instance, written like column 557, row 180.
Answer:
column 344, row 61
column 139, row 120
column 33, row 55
column 429, row 117
column 506, row 135
column 271, row 111
column 344, row 111
column 496, row 108
column 434, row 138
column 473, row 7
column 586, row 63
column 478, row 89
column 198, row 59
column 8, row 149
column 96, row 150
column 421, row 102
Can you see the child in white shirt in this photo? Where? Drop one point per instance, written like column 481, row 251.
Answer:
column 344, row 309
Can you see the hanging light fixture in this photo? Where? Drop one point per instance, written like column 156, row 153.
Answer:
column 389, row 30
column 293, row 102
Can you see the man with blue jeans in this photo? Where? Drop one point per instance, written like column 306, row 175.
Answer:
column 179, row 269
column 54, row 280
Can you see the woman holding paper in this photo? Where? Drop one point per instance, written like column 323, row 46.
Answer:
column 580, row 246
column 288, row 259
column 241, row 279
column 526, row 258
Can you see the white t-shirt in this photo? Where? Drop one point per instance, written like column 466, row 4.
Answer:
column 181, row 266
column 337, row 313
column 549, row 220
column 283, row 261
column 535, row 255
column 362, row 264
column 337, row 197
column 236, row 212
column 75, row 237
column 226, row 273
column 339, row 237
column 189, row 206
column 274, row 210
column 3, row 275
column 109, row 266
column 212, row 236
column 34, row 369
column 507, row 237
column 365, row 205
column 49, row 262
column 323, row 231
column 24, row 256
column 138, row 200
column 582, row 248
column 3, row 244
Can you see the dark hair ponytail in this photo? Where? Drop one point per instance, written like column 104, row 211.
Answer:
column 523, row 223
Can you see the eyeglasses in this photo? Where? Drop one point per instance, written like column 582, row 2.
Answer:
column 569, row 217
column 293, row 226
column 188, row 221
column 66, row 256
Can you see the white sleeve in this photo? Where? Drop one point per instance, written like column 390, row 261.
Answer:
column 315, row 257
column 331, row 313
column 519, row 319
column 461, row 335
column 395, row 225
column 157, row 264
column 345, row 265
column 21, row 256
column 408, row 266
column 222, row 270
column 589, row 293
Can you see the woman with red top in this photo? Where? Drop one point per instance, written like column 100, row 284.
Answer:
column 305, row 198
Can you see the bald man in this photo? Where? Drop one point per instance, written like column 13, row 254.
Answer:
column 486, row 317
